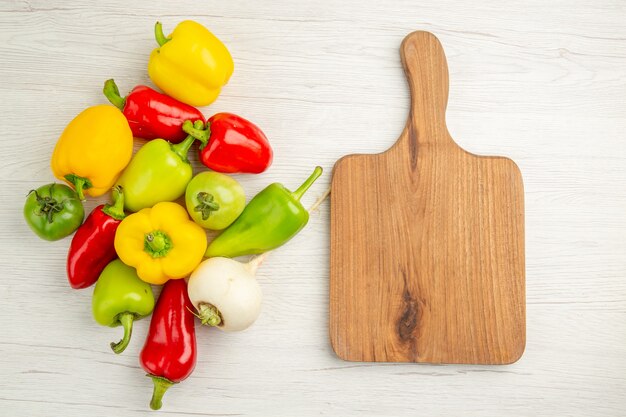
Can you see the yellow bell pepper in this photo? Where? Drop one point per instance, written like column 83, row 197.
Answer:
column 161, row 242
column 93, row 150
column 191, row 64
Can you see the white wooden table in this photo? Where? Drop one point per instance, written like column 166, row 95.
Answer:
column 543, row 83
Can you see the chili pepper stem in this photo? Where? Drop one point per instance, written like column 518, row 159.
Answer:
column 158, row 34
column 126, row 319
column 182, row 149
column 209, row 315
column 116, row 210
column 79, row 183
column 307, row 184
column 112, row 93
column 202, row 133
column 160, row 386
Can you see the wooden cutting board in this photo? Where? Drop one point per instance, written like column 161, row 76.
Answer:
column 427, row 240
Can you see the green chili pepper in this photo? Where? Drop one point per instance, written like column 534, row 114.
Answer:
column 160, row 171
column 270, row 219
column 119, row 298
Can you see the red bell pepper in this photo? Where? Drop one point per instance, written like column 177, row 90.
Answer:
column 169, row 354
column 151, row 114
column 92, row 246
column 232, row 144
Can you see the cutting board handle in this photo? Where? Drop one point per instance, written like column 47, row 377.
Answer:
column 426, row 69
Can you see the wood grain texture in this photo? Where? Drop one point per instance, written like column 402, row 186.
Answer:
column 541, row 82
column 427, row 240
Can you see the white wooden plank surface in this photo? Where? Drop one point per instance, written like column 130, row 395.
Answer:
column 542, row 82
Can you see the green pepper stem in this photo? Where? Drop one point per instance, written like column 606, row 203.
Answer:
column 158, row 34
column 116, row 210
column 79, row 183
column 206, row 204
column 126, row 319
column 307, row 184
column 48, row 206
column 202, row 133
column 112, row 93
column 182, row 149
column 157, row 244
column 209, row 315
column 160, row 386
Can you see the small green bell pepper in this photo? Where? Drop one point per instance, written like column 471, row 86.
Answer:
column 53, row 211
column 214, row 200
column 119, row 298
column 270, row 219
column 159, row 171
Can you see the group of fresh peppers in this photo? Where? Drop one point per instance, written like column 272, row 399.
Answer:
column 162, row 242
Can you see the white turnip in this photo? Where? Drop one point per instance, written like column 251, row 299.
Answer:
column 225, row 292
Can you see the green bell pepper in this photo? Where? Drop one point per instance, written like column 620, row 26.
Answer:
column 53, row 211
column 270, row 219
column 119, row 298
column 214, row 200
column 159, row 171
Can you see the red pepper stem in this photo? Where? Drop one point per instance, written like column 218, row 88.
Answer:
column 126, row 319
column 307, row 184
column 80, row 184
column 112, row 93
column 160, row 386
column 116, row 210
column 158, row 34
column 182, row 148
column 197, row 131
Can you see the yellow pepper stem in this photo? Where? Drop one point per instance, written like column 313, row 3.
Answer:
column 79, row 183
column 157, row 244
column 158, row 34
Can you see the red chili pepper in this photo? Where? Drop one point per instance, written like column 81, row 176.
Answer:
column 92, row 246
column 232, row 144
column 169, row 354
column 151, row 114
